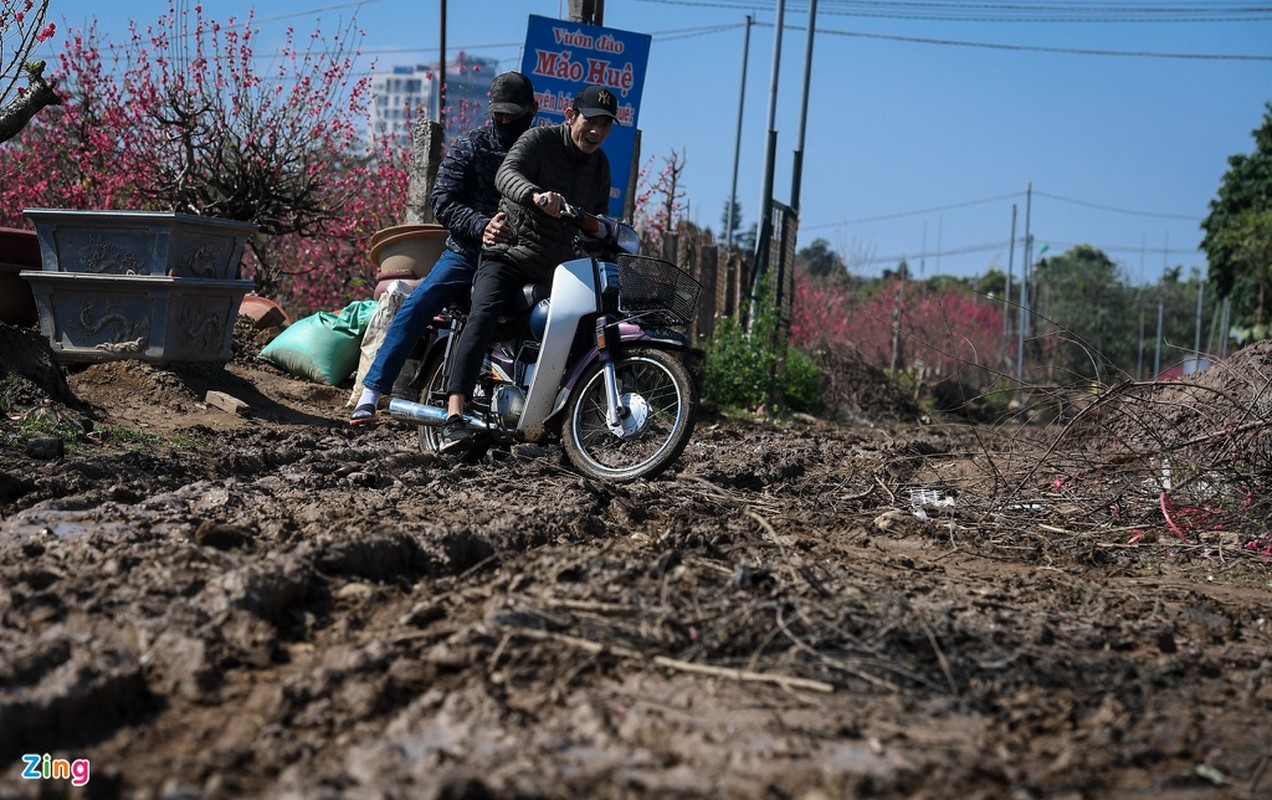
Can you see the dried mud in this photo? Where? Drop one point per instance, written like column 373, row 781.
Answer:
column 274, row 604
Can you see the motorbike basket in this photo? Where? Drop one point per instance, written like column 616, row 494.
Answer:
column 657, row 291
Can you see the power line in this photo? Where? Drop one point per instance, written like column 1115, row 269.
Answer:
column 1126, row 248
column 1018, row 13
column 667, row 35
column 1055, row 20
column 988, row 247
column 1096, row 6
column 1010, row 196
column 1079, row 51
column 1070, row 13
column 1085, row 51
column 358, row 4
column 690, row 33
column 1088, row 204
column 919, row 212
column 912, row 257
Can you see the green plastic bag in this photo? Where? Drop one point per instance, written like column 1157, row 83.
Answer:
column 322, row 347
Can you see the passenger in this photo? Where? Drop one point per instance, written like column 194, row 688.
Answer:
column 465, row 201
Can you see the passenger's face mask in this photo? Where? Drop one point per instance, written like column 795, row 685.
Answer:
column 509, row 131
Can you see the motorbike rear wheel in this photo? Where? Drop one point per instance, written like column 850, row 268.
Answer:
column 432, row 393
column 656, row 387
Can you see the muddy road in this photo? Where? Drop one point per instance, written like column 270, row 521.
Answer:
column 200, row 604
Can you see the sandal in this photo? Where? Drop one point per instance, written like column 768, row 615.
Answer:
column 364, row 414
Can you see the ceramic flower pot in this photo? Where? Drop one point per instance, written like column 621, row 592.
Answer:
column 139, row 243
column 154, row 318
column 396, row 230
column 406, row 249
column 263, row 312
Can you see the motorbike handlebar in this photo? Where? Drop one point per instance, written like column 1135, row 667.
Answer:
column 607, row 231
column 588, row 223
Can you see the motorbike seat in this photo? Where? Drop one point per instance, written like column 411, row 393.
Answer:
column 521, row 303
column 526, row 299
column 516, row 312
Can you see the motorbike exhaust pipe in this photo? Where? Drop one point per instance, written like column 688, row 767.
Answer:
column 432, row 416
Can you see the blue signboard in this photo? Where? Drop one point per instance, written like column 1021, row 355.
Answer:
column 562, row 57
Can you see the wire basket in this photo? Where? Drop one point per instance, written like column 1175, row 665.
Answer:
column 656, row 291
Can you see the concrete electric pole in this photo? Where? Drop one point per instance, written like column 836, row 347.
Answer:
column 591, row 12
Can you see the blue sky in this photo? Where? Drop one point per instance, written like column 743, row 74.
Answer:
column 924, row 127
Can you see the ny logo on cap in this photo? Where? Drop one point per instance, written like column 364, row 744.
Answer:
column 604, row 98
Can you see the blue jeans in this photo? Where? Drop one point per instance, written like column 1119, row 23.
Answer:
column 449, row 278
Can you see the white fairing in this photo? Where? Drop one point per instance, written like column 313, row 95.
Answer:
column 573, row 297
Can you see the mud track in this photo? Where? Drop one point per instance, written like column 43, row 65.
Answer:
column 277, row 605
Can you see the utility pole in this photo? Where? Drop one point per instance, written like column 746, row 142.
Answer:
column 1157, row 346
column 441, row 70
column 737, row 142
column 1011, row 256
column 803, row 111
column 591, row 12
column 1201, row 292
column 1161, row 308
column 1139, row 364
column 766, row 195
column 1024, row 290
column 898, row 318
column 1224, row 320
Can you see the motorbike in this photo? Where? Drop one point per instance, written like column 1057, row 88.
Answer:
column 593, row 361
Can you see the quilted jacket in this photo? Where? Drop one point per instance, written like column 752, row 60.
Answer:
column 546, row 159
column 464, row 196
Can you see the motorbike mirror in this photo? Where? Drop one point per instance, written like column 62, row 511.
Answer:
column 627, row 239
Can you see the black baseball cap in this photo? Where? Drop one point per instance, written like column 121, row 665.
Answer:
column 511, row 93
column 596, row 101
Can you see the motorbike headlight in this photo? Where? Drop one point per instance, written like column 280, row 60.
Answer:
column 628, row 240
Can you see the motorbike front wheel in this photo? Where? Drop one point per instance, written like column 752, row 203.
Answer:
column 658, row 393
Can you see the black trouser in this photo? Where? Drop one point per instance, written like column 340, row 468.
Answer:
column 497, row 282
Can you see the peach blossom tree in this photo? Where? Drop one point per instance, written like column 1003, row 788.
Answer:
column 22, row 28
column 953, row 332
column 180, row 118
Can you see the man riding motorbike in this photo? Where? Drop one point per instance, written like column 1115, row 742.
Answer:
column 544, row 170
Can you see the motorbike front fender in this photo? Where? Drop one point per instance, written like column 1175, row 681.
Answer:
column 627, row 335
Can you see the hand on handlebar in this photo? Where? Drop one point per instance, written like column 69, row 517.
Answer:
column 551, row 202
column 557, row 206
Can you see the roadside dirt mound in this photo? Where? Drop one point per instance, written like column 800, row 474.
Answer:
column 1229, row 396
column 274, row 604
column 858, row 392
column 35, row 378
